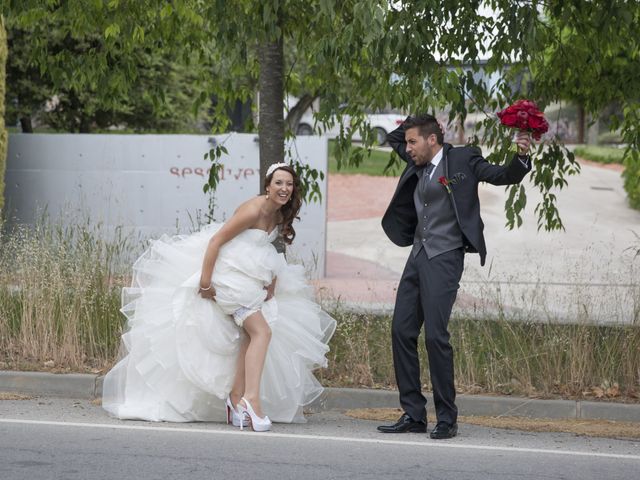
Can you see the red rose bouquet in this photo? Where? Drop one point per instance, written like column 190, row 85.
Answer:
column 524, row 115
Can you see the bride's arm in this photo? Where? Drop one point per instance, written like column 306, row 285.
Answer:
column 245, row 217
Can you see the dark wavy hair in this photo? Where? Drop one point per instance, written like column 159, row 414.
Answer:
column 426, row 124
column 290, row 209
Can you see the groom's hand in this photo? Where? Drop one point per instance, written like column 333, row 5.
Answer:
column 523, row 141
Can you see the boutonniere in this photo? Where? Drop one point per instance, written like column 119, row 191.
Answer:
column 445, row 182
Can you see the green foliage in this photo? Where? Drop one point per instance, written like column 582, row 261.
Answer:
column 359, row 55
column 631, row 177
column 3, row 132
column 592, row 56
column 373, row 163
column 73, row 81
column 600, row 154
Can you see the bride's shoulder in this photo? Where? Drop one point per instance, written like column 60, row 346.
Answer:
column 253, row 204
column 249, row 209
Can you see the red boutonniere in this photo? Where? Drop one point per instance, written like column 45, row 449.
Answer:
column 524, row 115
column 444, row 181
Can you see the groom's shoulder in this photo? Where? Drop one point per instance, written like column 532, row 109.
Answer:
column 464, row 151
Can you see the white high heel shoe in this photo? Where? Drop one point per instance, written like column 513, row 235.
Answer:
column 233, row 417
column 258, row 424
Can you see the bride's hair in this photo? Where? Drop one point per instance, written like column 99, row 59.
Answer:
column 291, row 209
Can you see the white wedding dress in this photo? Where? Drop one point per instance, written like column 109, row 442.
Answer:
column 179, row 352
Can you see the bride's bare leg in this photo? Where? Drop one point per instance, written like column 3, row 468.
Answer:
column 237, row 389
column 260, row 336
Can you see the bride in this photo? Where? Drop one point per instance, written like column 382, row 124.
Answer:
column 219, row 322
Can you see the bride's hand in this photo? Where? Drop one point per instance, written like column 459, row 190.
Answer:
column 270, row 291
column 208, row 293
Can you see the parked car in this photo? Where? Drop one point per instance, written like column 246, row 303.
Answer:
column 382, row 123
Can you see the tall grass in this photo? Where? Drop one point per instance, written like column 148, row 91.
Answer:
column 60, row 295
column 60, row 300
column 498, row 356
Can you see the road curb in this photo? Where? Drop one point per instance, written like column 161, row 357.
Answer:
column 71, row 385
column 87, row 386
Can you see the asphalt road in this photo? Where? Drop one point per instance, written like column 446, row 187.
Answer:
column 66, row 439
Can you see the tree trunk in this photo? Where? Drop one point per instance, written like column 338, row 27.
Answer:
column 296, row 112
column 26, row 125
column 460, row 131
column 84, row 125
column 271, row 120
column 581, row 121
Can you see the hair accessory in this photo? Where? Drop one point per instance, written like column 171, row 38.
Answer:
column 274, row 166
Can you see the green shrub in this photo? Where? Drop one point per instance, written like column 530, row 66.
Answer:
column 631, row 177
column 600, row 154
column 610, row 137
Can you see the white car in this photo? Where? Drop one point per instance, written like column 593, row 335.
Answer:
column 381, row 122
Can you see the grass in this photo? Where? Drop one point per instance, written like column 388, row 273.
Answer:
column 60, row 300
column 600, row 154
column 373, row 163
column 499, row 356
column 60, row 297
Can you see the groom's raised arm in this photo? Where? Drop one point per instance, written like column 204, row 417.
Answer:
column 397, row 142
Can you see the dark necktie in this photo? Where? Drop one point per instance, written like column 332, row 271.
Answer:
column 428, row 169
column 426, row 173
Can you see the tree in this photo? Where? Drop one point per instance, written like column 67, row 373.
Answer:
column 369, row 54
column 591, row 56
column 47, row 80
column 3, row 131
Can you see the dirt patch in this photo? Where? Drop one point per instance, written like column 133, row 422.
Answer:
column 13, row 396
column 354, row 197
column 586, row 427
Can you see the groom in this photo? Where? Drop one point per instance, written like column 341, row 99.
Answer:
column 436, row 210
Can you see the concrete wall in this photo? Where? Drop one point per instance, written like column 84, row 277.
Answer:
column 149, row 184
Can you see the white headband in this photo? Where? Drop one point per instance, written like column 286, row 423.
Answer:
column 274, row 166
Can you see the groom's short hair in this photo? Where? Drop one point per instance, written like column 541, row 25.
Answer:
column 426, row 124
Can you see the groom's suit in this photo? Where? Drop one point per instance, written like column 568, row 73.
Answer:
column 441, row 226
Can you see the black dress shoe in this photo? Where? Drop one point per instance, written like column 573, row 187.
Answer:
column 405, row 424
column 444, row 430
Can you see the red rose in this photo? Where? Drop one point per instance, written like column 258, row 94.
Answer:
column 508, row 117
column 527, row 105
column 537, row 122
column 523, row 122
column 524, row 115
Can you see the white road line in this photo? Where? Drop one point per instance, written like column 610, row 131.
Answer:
column 293, row 436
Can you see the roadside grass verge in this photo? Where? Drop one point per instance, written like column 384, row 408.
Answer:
column 600, row 154
column 60, row 296
column 59, row 311
column 499, row 356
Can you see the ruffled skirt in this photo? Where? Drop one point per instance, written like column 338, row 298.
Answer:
column 179, row 352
